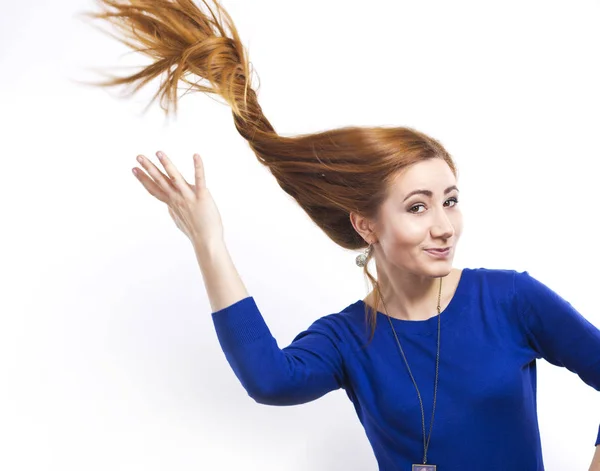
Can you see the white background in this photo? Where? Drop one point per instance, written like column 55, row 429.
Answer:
column 108, row 354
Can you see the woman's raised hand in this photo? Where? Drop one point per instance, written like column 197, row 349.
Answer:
column 191, row 206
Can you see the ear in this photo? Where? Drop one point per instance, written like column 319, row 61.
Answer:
column 365, row 227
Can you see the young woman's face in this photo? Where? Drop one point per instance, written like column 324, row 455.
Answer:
column 411, row 223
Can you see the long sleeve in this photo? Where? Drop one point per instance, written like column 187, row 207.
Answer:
column 557, row 331
column 308, row 368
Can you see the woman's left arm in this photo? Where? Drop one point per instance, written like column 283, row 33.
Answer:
column 595, row 466
column 558, row 333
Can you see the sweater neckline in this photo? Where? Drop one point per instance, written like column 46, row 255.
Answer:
column 429, row 326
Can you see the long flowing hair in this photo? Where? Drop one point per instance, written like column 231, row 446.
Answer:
column 329, row 174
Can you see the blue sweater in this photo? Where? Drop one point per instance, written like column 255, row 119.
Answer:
column 495, row 327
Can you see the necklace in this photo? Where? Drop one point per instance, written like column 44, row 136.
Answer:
column 424, row 466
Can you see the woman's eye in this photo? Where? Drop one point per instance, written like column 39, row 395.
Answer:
column 455, row 200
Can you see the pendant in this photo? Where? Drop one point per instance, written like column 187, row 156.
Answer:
column 424, row 467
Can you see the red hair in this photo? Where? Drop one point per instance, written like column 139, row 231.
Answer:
column 330, row 174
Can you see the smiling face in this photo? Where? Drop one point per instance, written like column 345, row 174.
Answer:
column 410, row 222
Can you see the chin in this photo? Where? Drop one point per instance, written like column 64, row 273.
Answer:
column 443, row 268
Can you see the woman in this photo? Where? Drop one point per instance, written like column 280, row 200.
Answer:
column 393, row 191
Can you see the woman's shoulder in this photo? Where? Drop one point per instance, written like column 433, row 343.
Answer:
column 502, row 276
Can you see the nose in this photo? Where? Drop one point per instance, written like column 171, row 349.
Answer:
column 442, row 226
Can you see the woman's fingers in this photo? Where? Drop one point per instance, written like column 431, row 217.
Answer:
column 162, row 180
column 200, row 179
column 161, row 186
column 190, row 206
column 176, row 179
column 150, row 185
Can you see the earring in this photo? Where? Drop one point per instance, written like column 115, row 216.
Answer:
column 361, row 260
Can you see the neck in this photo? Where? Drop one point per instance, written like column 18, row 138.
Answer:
column 410, row 296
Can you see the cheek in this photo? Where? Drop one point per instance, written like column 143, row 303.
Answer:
column 457, row 222
column 407, row 233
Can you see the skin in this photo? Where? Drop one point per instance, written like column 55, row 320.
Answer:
column 595, row 466
column 407, row 274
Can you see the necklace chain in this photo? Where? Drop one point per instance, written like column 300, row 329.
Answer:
column 437, row 367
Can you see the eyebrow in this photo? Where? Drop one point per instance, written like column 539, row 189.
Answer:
column 429, row 192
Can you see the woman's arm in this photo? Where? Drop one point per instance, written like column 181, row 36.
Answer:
column 305, row 370
column 595, row 466
column 557, row 331
column 223, row 283
column 308, row 368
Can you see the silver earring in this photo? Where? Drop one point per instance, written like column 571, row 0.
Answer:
column 361, row 260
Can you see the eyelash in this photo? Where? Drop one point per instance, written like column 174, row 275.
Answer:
column 421, row 204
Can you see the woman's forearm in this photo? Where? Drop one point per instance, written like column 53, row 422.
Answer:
column 221, row 279
column 595, row 466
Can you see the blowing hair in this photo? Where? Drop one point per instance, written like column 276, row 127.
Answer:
column 329, row 174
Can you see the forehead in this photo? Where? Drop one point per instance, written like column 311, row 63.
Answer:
column 432, row 174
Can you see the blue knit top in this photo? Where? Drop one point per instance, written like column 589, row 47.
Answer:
column 498, row 323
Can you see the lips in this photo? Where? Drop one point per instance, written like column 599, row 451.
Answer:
column 439, row 250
